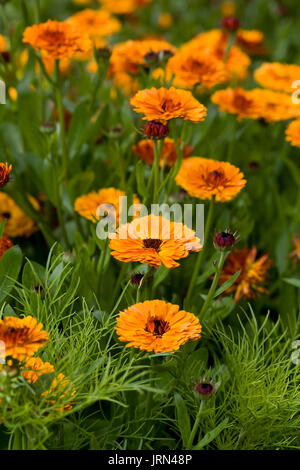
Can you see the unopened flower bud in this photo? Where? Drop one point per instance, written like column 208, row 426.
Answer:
column 156, row 130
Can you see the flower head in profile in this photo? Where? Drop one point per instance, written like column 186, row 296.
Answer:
column 5, row 244
column 145, row 150
column 157, row 326
column 123, row 7
column 22, row 336
column 5, row 170
column 276, row 105
column 295, row 254
column 238, row 101
column 204, row 178
column 277, row 76
column 153, row 240
column 88, row 204
column 17, row 224
column 165, row 104
column 252, row 41
column 253, row 272
column 59, row 39
column 292, row 133
column 34, row 368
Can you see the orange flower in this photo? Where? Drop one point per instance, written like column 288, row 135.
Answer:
column 252, row 276
column 18, row 224
column 123, row 7
column 277, row 76
column 252, row 41
column 5, row 170
column 3, row 44
column 34, row 368
column 293, row 133
column 145, row 150
column 194, row 67
column 49, row 63
column 157, row 326
column 5, row 244
column 96, row 24
column 22, row 336
column 165, row 104
column 165, row 20
column 59, row 39
column 295, row 254
column 60, row 388
column 153, row 240
column 204, row 178
column 238, row 101
column 88, row 204
column 277, row 106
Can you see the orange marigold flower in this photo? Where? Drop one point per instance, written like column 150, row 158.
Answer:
column 238, row 101
column 277, row 106
column 49, row 63
column 277, row 76
column 293, row 133
column 145, row 150
column 194, row 67
column 295, row 254
column 18, row 224
column 204, row 178
column 5, row 170
column 252, row 276
column 5, row 244
column 88, row 204
column 96, row 24
column 34, row 368
column 59, row 39
column 22, row 336
column 157, row 326
column 165, row 20
column 60, row 389
column 123, row 7
column 153, row 240
column 165, row 104
column 252, row 41
column 3, row 44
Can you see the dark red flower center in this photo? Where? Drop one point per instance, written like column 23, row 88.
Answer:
column 152, row 243
column 205, row 388
column 216, row 178
column 157, row 326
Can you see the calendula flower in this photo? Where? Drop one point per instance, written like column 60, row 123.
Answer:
column 238, row 101
column 65, row 64
column 34, row 368
column 276, row 106
column 157, row 326
column 3, row 44
column 109, row 198
column 293, row 133
column 59, row 390
column 295, row 254
column 251, row 280
column 145, row 150
column 230, row 23
column 5, row 170
column 5, row 244
column 252, row 41
column 96, row 24
column 204, row 178
column 18, row 224
column 165, row 104
column 22, row 336
column 225, row 241
column 153, row 240
column 59, row 39
column 165, row 20
column 277, row 76
column 194, row 67
column 156, row 130
column 123, row 7
column 228, row 8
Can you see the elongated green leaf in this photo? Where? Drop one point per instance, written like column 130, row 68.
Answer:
column 227, row 284
column 211, row 435
column 10, row 265
column 140, row 178
column 183, row 418
column 293, row 281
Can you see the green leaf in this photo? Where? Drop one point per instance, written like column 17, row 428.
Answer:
column 160, row 275
column 293, row 281
column 227, row 284
column 140, row 178
column 78, row 129
column 211, row 435
column 183, row 418
column 10, row 265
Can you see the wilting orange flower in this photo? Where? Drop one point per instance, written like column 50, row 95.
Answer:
column 293, row 133
column 5, row 244
column 5, row 170
column 238, row 101
column 194, row 67
column 88, row 204
column 35, row 368
column 18, row 224
column 204, row 178
column 295, row 254
column 123, row 7
column 165, row 104
column 157, row 326
column 60, row 388
column 277, row 76
column 22, row 336
column 153, row 240
column 96, row 24
column 145, row 150
column 59, row 39
column 252, row 41
column 252, row 276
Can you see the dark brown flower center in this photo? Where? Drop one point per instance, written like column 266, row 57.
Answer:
column 17, row 335
column 152, row 243
column 6, row 215
column 240, row 102
column 168, row 105
column 157, row 326
column 215, row 178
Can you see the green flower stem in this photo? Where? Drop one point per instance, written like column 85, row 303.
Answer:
column 200, row 255
column 189, row 444
column 59, row 102
column 213, row 286
column 24, row 12
column 154, row 176
column 173, row 173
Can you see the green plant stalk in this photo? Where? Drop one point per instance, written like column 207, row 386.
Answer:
column 213, row 286
column 200, row 255
column 189, row 444
column 59, row 102
column 173, row 173
column 154, row 175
